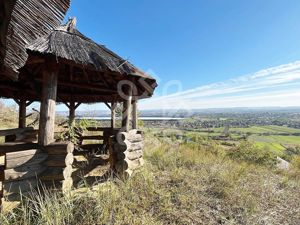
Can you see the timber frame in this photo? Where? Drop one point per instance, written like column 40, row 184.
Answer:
column 50, row 78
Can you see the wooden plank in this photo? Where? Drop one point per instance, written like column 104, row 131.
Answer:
column 60, row 160
column 2, row 168
column 14, row 131
column 26, row 136
column 90, row 147
column 24, row 158
column 47, row 115
column 95, row 137
column 129, row 164
column 17, row 186
column 57, row 173
column 24, row 172
column 14, row 147
column 59, row 148
column 95, row 128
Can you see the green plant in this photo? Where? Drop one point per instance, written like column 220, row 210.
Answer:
column 290, row 153
column 75, row 130
column 296, row 162
column 248, row 152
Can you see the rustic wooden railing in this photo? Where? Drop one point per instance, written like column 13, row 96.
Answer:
column 25, row 165
column 102, row 138
column 59, row 164
column 126, row 152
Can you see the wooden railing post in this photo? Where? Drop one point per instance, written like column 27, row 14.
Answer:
column 22, row 113
column 134, row 115
column 127, row 109
column 113, row 115
column 72, row 113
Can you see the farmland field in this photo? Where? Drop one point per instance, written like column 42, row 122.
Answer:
column 271, row 137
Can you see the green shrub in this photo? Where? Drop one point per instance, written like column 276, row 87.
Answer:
column 290, row 153
column 296, row 162
column 75, row 130
column 246, row 151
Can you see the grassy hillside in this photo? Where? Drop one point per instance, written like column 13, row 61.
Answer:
column 180, row 184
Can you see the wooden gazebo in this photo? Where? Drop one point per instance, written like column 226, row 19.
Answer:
column 61, row 65
column 64, row 66
column 21, row 22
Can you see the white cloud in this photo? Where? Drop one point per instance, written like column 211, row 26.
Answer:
column 277, row 86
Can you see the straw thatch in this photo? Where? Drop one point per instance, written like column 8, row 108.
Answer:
column 68, row 43
column 28, row 20
column 87, row 72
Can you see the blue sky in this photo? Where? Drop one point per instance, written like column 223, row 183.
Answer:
column 195, row 44
column 196, row 41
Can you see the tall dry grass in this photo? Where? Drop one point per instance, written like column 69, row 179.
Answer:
column 180, row 184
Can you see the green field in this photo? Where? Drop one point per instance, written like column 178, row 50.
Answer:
column 261, row 130
column 285, row 140
column 275, row 138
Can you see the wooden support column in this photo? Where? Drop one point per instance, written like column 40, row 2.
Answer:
column 127, row 109
column 113, row 115
column 48, row 102
column 72, row 113
column 134, row 115
column 22, row 113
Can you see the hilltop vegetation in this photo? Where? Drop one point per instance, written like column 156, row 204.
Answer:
column 181, row 183
column 189, row 178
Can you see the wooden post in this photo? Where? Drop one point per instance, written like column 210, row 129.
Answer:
column 127, row 109
column 22, row 113
column 134, row 115
column 72, row 113
column 47, row 112
column 113, row 115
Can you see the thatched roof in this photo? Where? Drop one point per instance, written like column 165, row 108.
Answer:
column 87, row 72
column 68, row 43
column 24, row 21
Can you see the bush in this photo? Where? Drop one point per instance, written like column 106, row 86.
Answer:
column 246, row 151
column 296, row 162
column 290, row 153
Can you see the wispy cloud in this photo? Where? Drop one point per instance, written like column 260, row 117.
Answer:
column 276, row 86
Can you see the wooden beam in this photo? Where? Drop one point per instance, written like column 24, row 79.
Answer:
column 16, row 146
column 86, row 76
column 85, row 86
column 67, row 104
column 72, row 113
column 48, row 102
column 22, row 113
column 127, row 109
column 14, row 131
column 29, row 103
column 134, row 115
column 113, row 115
column 77, row 105
column 104, row 80
column 35, row 61
column 108, row 106
column 17, row 101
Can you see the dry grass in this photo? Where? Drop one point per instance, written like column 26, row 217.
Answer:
column 180, row 184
